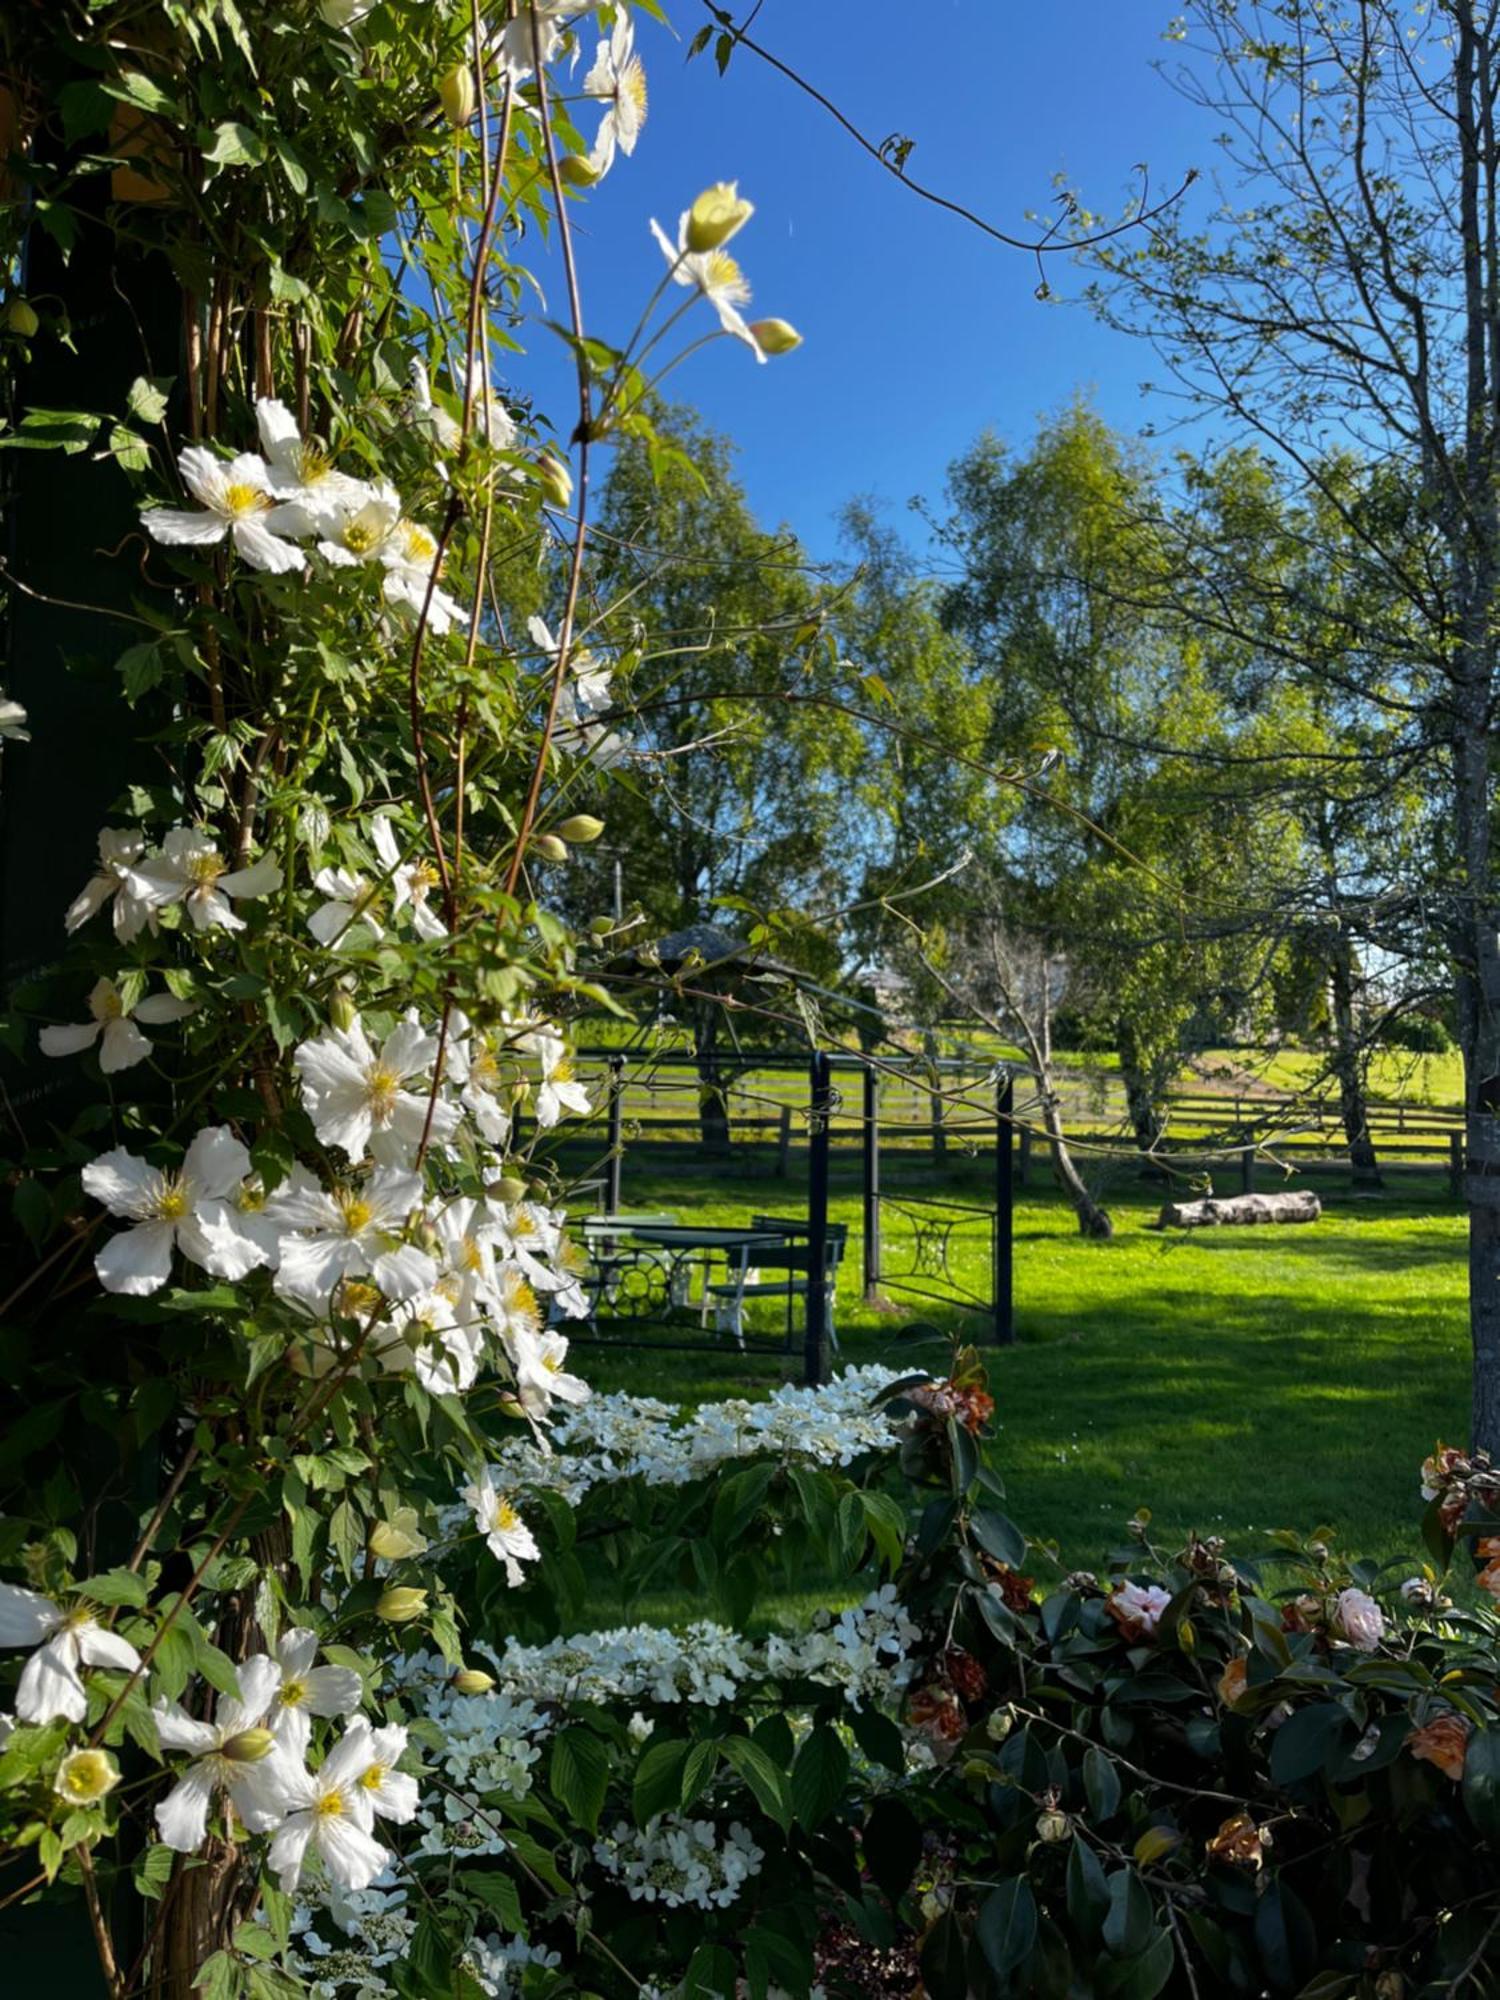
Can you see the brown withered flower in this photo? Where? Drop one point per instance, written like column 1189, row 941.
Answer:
column 966, row 1674
column 1239, row 1842
column 1233, row 1680
column 1445, row 1742
column 937, row 1713
column 1015, row 1590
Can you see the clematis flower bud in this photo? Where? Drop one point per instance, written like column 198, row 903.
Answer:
column 554, row 478
column 1053, row 1825
column 510, row 1190
column 581, row 828
column 342, row 1011
column 473, row 1680
column 459, row 95
column 549, row 847
column 775, row 336
column 577, row 170
column 249, row 1746
column 716, row 216
column 398, row 1605
column 394, row 1540
column 21, row 319
column 86, row 1776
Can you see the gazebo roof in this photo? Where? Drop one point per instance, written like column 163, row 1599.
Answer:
column 716, row 950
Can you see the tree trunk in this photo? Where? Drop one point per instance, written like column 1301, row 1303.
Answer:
column 1092, row 1219
column 1147, row 1114
column 1297, row 1205
column 1347, row 1063
column 713, row 1086
column 1479, row 1032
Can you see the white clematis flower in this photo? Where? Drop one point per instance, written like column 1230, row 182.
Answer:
column 618, row 75
column 13, row 722
column 300, row 474
column 119, row 852
column 166, row 1208
column 521, row 47
column 591, row 677
column 557, row 1092
column 350, row 903
column 412, row 882
column 65, row 1641
column 115, row 1027
column 227, row 1756
column 236, row 500
column 330, row 1811
column 715, row 274
column 355, row 1094
column 190, row 870
column 541, row 1378
column 358, row 528
column 241, row 1231
column 506, row 1534
column 354, row 1233
column 411, row 572
column 306, row 1691
column 428, row 1339
column 389, row 1793
column 514, row 1307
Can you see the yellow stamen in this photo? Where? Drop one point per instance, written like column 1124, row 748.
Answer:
column 172, row 1202
column 242, row 498
column 383, row 1086
column 360, row 536
column 330, row 1806
column 357, row 1214
column 633, row 86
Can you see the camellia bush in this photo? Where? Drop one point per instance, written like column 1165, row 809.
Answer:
column 1201, row 1772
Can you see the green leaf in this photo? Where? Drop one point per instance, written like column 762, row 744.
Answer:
column 1006, row 1928
column 234, row 145
column 1087, row 1891
column 579, row 1775
column 1141, row 1977
column 147, row 398
column 763, row 1778
column 116, row 1586
column 879, row 1738
column 712, row 1974
column 254, row 1941
column 1128, row 1923
column 1307, row 1739
column 1101, row 1783
column 886, row 1521
column 499, row 1893
column 1481, row 1783
column 219, row 1978
column 998, row 1536
column 1285, row 1935
column 698, row 1771
column 819, row 1776
column 658, row 1780
column 944, row 1976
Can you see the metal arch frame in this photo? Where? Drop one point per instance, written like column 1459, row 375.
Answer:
column 822, row 1066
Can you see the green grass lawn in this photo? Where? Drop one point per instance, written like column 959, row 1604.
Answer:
column 1232, row 1381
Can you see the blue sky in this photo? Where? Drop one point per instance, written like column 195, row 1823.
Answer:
column 919, row 330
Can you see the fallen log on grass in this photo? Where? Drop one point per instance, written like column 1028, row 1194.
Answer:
column 1300, row 1205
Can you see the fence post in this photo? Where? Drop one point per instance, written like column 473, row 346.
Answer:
column 1023, row 1164
column 872, row 1185
column 1247, row 1170
column 820, row 1107
column 616, row 1135
column 784, row 1144
column 1456, row 1165
column 1002, row 1277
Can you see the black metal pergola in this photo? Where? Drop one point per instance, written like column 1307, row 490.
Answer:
column 822, row 1067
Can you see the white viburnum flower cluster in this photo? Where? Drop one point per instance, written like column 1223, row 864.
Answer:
column 374, row 1929
column 676, row 1861
column 862, row 1651
column 498, row 1965
column 638, row 1437
column 269, row 503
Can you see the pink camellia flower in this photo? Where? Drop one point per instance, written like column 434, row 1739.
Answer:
column 1136, row 1608
column 1361, row 1619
